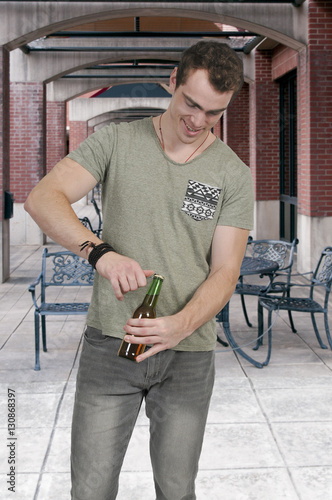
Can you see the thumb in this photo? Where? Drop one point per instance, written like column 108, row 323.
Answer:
column 148, row 273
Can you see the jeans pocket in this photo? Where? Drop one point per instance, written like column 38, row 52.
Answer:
column 94, row 336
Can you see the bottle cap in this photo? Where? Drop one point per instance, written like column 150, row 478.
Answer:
column 158, row 276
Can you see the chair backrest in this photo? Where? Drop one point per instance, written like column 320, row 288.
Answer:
column 64, row 268
column 322, row 275
column 276, row 250
column 98, row 212
column 86, row 222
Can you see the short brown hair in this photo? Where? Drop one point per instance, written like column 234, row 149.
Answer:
column 223, row 65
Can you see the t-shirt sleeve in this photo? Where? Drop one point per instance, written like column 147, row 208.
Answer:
column 95, row 153
column 237, row 207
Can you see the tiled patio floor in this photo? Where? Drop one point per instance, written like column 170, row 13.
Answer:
column 269, row 432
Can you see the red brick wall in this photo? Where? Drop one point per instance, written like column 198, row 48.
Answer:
column 236, row 125
column 78, row 131
column 315, row 118
column 4, row 124
column 264, row 129
column 56, row 133
column 27, row 137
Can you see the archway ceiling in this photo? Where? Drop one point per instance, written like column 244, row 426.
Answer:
column 134, row 48
column 24, row 21
column 166, row 36
column 131, row 49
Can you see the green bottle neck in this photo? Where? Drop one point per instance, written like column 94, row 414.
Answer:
column 151, row 298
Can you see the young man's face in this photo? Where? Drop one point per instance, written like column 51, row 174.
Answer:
column 196, row 106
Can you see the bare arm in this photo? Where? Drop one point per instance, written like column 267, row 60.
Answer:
column 49, row 204
column 228, row 247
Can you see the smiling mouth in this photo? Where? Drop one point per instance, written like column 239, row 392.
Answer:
column 189, row 128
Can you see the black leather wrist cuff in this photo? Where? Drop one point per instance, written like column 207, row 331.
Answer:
column 96, row 252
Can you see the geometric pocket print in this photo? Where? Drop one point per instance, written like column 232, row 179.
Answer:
column 201, row 200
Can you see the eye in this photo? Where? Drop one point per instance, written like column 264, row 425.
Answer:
column 214, row 113
column 190, row 105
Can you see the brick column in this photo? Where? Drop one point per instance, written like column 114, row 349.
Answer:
column 27, row 137
column 56, row 133
column 264, row 146
column 314, row 135
column 315, row 83
column 236, row 125
column 27, row 153
column 4, row 162
column 78, row 132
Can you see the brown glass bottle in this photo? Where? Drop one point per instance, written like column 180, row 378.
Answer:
column 146, row 310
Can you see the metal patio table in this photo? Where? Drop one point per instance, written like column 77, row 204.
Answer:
column 249, row 266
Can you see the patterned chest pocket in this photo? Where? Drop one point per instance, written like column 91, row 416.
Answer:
column 201, row 200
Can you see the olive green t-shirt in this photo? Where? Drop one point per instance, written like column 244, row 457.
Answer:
column 162, row 214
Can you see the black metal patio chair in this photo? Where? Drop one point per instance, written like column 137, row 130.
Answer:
column 321, row 277
column 279, row 251
column 87, row 223
column 59, row 270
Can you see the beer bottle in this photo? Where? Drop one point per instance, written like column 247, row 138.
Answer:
column 146, row 310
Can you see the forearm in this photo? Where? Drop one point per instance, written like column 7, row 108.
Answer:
column 227, row 251
column 208, row 300
column 55, row 216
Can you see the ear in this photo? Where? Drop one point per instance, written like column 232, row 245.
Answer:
column 172, row 80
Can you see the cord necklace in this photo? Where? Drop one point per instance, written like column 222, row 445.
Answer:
column 163, row 144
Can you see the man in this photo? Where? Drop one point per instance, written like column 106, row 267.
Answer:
column 176, row 201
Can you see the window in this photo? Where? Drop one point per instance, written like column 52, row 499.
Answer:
column 288, row 157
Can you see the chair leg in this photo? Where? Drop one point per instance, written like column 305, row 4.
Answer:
column 37, row 364
column 323, row 346
column 328, row 335
column 245, row 311
column 260, row 315
column 223, row 317
column 269, row 335
column 43, row 322
column 291, row 322
column 290, row 316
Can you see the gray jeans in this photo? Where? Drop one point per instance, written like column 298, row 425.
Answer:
column 177, row 387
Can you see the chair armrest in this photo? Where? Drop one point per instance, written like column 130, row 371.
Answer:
column 32, row 290
column 280, row 286
column 35, row 283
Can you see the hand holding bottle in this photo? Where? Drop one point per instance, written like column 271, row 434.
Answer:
column 161, row 333
column 146, row 310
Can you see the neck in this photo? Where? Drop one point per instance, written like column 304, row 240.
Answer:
column 176, row 149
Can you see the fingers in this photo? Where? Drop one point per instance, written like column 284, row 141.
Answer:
column 147, row 354
column 148, row 332
column 148, row 273
column 124, row 274
column 141, row 331
column 160, row 333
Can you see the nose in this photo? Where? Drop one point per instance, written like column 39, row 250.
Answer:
column 198, row 118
